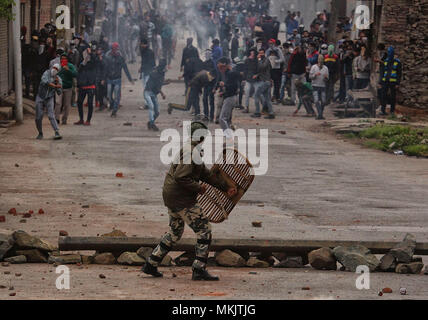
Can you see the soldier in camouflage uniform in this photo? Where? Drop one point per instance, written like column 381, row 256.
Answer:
column 181, row 187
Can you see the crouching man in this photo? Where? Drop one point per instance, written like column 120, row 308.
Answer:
column 49, row 85
column 181, row 187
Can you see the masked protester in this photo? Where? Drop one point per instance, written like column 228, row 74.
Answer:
column 101, row 85
column 116, row 63
column 180, row 191
column 390, row 78
column 86, row 80
column 49, row 85
column 331, row 61
column 67, row 73
column 188, row 52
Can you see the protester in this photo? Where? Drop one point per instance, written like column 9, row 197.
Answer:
column 147, row 61
column 63, row 101
column 362, row 67
column 50, row 84
column 230, row 96
column 319, row 76
column 116, row 63
column 390, row 78
column 86, row 80
column 152, row 89
column 262, row 86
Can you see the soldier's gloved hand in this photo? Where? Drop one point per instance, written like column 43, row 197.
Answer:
column 231, row 192
column 203, row 189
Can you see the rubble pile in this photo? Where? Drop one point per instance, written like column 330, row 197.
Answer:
column 20, row 247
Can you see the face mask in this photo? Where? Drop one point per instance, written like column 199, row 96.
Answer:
column 259, row 46
column 291, row 50
column 54, row 72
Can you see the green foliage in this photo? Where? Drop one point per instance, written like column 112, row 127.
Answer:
column 383, row 131
column 420, row 150
column 375, row 145
column 413, row 142
column 350, row 135
column 6, row 9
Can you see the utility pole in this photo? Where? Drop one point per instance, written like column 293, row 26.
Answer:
column 115, row 7
column 16, row 34
column 334, row 14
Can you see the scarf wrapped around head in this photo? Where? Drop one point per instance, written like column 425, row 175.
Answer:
column 391, row 53
column 331, row 50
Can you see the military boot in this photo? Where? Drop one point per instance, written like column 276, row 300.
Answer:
column 202, row 274
column 151, row 270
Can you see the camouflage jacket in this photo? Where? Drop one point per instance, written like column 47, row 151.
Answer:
column 181, row 186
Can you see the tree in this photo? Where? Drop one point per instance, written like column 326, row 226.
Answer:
column 6, row 9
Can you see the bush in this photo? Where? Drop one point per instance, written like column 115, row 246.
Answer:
column 6, row 9
column 412, row 141
column 418, row 150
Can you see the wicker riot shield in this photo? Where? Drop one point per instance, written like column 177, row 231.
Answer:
column 238, row 172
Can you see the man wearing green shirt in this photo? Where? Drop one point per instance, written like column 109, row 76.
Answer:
column 63, row 101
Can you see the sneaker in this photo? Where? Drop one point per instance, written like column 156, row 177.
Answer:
column 40, row 136
column 149, row 125
column 245, row 111
column 271, row 116
column 57, row 136
column 256, row 115
column 64, row 122
column 79, row 123
column 197, row 117
column 113, row 114
column 87, row 123
column 151, row 270
column 202, row 274
column 154, row 127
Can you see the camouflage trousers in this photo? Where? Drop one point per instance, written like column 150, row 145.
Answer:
column 198, row 222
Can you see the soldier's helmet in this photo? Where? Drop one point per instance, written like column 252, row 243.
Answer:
column 200, row 129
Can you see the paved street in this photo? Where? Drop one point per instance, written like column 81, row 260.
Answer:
column 317, row 187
